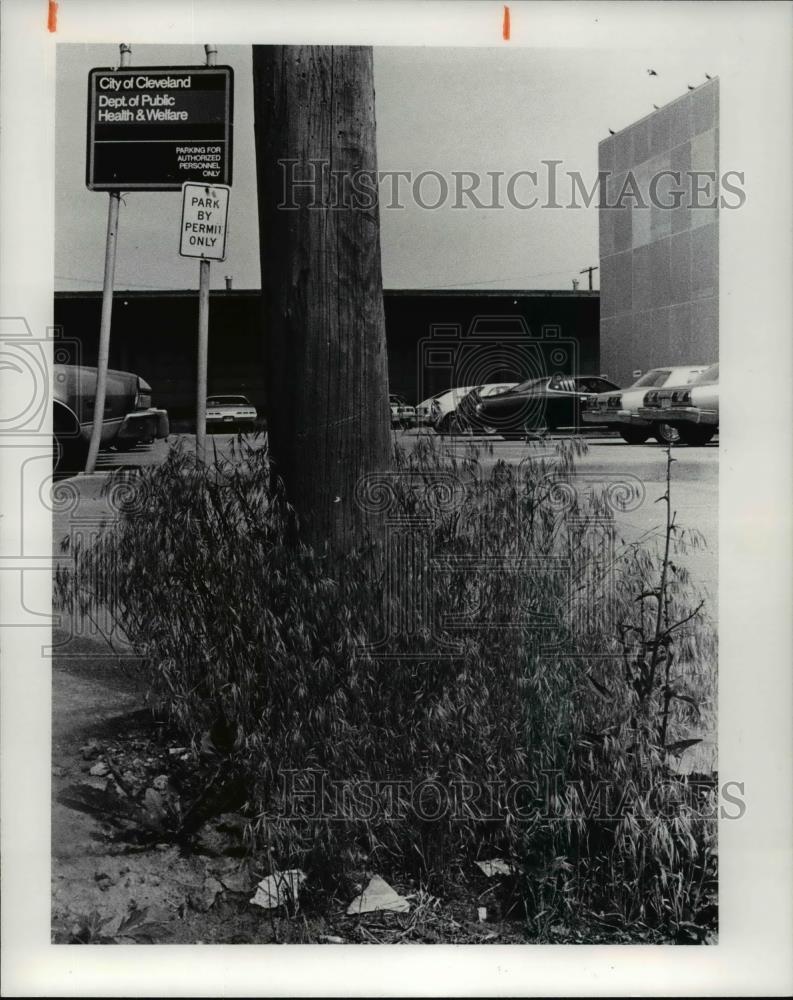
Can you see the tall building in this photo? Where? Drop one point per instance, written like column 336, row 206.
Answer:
column 659, row 238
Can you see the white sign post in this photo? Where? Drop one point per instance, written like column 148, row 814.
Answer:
column 203, row 234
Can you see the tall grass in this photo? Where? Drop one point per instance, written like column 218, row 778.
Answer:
column 246, row 633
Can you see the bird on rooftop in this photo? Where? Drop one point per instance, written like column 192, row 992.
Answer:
column 708, row 76
column 656, row 107
column 690, row 87
column 612, row 132
column 651, row 72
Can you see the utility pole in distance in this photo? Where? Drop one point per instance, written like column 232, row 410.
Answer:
column 589, row 270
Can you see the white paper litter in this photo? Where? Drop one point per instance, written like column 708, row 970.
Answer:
column 496, row 867
column 378, row 895
column 275, row 890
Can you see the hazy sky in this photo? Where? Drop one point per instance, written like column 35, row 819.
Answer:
column 504, row 109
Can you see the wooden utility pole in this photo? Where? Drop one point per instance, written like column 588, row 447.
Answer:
column 327, row 379
column 589, row 270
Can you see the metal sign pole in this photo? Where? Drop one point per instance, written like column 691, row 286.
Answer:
column 203, row 352
column 203, row 332
column 103, row 353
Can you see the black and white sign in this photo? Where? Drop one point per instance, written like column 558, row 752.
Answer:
column 204, row 215
column 153, row 128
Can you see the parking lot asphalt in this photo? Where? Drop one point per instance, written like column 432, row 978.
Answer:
column 608, row 461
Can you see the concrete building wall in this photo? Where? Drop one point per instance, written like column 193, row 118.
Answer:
column 659, row 265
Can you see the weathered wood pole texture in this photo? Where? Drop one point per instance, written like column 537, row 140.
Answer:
column 328, row 413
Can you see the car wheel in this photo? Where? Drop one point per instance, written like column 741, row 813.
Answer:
column 540, row 430
column 68, row 456
column 460, row 427
column 445, row 425
column 666, row 433
column 696, row 436
column 634, row 435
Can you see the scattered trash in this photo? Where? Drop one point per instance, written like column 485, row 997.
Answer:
column 99, row 770
column 330, row 939
column 378, row 895
column 175, row 751
column 275, row 890
column 481, row 912
column 496, row 866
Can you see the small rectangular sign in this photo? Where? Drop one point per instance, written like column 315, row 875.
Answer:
column 205, row 209
column 151, row 128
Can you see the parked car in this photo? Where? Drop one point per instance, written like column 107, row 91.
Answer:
column 620, row 409
column 692, row 409
column 230, row 413
column 539, row 405
column 433, row 410
column 129, row 417
column 462, row 419
column 402, row 414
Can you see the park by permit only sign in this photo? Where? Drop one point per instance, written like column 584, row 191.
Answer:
column 153, row 128
column 205, row 211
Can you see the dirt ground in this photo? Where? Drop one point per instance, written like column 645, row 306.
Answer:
column 120, row 876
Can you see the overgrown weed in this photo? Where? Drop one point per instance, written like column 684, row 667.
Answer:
column 572, row 680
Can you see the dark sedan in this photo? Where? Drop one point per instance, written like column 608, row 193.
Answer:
column 129, row 417
column 538, row 405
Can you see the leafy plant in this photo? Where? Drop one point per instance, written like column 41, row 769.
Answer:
column 516, row 670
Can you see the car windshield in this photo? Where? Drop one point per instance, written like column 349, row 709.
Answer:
column 684, row 376
column 227, row 401
column 594, row 385
column 654, row 377
column 709, row 376
column 495, row 390
column 528, row 384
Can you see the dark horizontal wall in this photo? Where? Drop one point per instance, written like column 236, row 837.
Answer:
column 437, row 340
column 488, row 337
column 154, row 335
